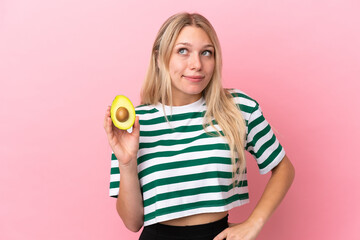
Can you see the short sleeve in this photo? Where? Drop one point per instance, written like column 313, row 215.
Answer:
column 262, row 143
column 114, row 177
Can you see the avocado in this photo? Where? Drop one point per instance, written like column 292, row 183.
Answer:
column 122, row 112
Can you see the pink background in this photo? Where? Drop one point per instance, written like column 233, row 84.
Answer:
column 63, row 62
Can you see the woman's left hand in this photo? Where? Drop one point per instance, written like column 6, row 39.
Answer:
column 247, row 230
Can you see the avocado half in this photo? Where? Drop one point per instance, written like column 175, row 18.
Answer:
column 122, row 112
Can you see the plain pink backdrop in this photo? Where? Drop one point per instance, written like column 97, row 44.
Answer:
column 63, row 62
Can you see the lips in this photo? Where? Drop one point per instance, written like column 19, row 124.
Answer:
column 194, row 78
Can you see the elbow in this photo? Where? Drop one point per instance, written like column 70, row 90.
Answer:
column 133, row 227
column 133, row 222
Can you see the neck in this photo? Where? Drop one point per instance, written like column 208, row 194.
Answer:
column 181, row 101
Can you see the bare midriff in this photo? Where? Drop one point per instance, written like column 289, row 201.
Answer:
column 197, row 219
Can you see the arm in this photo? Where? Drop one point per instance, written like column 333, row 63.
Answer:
column 281, row 179
column 125, row 146
column 129, row 204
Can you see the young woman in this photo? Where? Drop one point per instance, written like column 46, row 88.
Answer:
column 182, row 168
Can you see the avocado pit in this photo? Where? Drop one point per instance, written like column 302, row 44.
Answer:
column 122, row 114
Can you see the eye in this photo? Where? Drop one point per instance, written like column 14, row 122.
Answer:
column 183, row 51
column 207, row 53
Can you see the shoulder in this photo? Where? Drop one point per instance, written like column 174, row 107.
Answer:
column 246, row 103
column 148, row 114
column 145, row 109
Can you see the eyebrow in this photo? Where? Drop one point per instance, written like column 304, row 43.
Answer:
column 188, row 44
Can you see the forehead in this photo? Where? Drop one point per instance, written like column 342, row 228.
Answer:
column 192, row 34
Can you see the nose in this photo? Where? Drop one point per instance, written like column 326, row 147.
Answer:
column 195, row 62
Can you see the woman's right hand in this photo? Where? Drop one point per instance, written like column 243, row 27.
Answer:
column 125, row 145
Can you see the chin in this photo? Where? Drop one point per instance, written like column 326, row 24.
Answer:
column 194, row 90
column 193, row 93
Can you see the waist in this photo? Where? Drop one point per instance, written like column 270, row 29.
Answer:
column 197, row 219
column 210, row 229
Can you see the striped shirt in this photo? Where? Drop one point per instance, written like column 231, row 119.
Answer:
column 185, row 171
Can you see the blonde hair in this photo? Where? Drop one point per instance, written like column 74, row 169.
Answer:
column 220, row 105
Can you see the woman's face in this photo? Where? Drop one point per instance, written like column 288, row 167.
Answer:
column 191, row 65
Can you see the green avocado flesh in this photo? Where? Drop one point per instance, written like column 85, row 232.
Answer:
column 122, row 112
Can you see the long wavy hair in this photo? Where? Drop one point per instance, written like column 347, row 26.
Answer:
column 220, row 105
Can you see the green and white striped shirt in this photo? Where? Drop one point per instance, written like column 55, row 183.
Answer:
column 183, row 170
